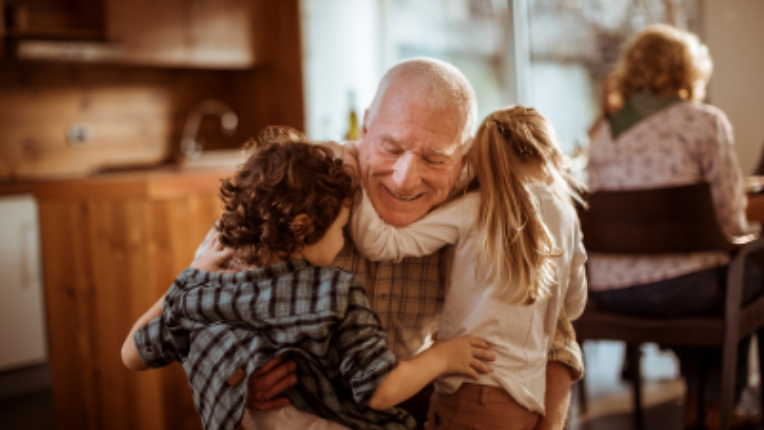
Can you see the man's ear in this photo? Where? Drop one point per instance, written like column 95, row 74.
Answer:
column 301, row 225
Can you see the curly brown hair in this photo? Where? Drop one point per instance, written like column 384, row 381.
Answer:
column 287, row 175
column 663, row 60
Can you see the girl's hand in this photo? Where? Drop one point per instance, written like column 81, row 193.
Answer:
column 465, row 355
column 214, row 258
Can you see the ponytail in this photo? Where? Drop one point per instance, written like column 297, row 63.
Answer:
column 514, row 242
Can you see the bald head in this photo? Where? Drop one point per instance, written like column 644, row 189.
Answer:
column 415, row 139
column 433, row 85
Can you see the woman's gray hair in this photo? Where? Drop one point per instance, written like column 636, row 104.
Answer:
column 441, row 85
column 663, row 60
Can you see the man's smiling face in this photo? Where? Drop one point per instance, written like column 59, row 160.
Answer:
column 410, row 156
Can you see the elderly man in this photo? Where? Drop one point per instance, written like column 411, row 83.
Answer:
column 414, row 143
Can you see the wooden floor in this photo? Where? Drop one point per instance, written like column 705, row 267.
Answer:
column 610, row 398
column 33, row 411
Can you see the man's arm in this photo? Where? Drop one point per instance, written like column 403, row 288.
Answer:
column 558, row 382
column 564, row 367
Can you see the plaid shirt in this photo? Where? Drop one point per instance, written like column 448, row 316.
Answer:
column 408, row 297
column 223, row 327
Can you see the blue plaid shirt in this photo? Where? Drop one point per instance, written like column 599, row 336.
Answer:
column 222, row 327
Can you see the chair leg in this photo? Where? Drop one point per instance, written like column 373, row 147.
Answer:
column 702, row 369
column 760, row 344
column 634, row 357
column 729, row 362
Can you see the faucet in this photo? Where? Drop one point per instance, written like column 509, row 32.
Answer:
column 189, row 145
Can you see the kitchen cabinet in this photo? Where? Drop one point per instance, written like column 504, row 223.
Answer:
column 213, row 34
column 196, row 33
column 54, row 19
column 112, row 245
column 22, row 325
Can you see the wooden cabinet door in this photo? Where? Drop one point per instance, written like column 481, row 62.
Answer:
column 106, row 262
column 151, row 31
column 219, row 33
column 183, row 33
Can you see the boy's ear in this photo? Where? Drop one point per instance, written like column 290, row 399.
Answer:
column 301, row 225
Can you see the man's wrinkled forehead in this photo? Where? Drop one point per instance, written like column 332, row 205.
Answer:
column 444, row 150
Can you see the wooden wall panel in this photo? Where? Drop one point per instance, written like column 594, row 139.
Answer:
column 273, row 94
column 136, row 117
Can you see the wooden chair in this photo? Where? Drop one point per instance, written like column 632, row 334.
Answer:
column 671, row 220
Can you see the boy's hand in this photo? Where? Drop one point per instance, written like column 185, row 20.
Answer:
column 465, row 355
column 214, row 258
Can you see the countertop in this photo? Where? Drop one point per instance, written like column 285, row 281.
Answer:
column 159, row 183
column 20, row 187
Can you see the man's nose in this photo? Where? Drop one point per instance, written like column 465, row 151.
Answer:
column 406, row 174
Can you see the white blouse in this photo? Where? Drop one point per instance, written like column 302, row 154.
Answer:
column 519, row 335
column 685, row 143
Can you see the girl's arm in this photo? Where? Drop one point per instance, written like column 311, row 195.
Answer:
column 376, row 377
column 464, row 355
column 379, row 241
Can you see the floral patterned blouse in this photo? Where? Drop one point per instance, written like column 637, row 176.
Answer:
column 682, row 144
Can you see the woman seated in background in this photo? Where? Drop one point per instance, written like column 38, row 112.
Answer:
column 663, row 136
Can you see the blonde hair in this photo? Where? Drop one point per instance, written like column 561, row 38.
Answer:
column 513, row 239
column 664, row 60
column 438, row 84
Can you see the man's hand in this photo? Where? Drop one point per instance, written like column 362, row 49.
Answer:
column 557, row 399
column 268, row 382
column 465, row 355
column 214, row 258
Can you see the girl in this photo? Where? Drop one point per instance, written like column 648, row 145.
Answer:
column 285, row 210
column 518, row 260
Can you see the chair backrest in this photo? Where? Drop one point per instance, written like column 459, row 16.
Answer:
column 653, row 221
